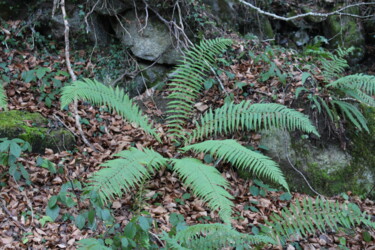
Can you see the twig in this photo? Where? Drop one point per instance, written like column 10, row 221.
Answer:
column 18, row 224
column 66, row 126
column 157, row 238
column 323, row 15
column 73, row 76
column 75, row 192
column 291, row 164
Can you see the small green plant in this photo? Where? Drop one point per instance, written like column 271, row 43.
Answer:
column 340, row 96
column 135, row 235
column 10, row 151
column 48, row 81
column 259, row 188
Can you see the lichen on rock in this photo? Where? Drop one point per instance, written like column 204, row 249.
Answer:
column 329, row 169
column 33, row 128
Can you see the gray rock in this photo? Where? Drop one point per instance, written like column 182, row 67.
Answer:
column 301, row 38
column 35, row 129
column 148, row 78
column 224, row 9
column 95, row 31
column 110, row 7
column 149, row 42
column 328, row 168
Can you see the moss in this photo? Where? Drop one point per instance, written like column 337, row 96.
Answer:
column 328, row 172
column 335, row 182
column 362, row 149
column 16, row 124
column 346, row 32
column 267, row 29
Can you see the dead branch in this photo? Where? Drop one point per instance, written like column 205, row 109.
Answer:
column 72, row 75
column 323, row 15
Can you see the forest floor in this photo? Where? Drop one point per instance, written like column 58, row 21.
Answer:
column 23, row 206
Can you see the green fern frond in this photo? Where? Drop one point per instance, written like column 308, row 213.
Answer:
column 122, row 174
column 233, row 152
column 334, row 66
column 352, row 113
column 217, row 236
column 328, row 110
column 365, row 83
column 310, row 216
column 360, row 96
column 3, row 98
column 100, row 94
column 246, row 116
column 207, row 183
column 188, row 80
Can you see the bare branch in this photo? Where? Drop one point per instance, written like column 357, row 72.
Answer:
column 72, row 74
column 323, row 15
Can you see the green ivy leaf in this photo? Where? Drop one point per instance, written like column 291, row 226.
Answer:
column 53, row 212
column 130, row 230
column 144, row 223
column 366, row 236
column 208, row 158
column 285, row 197
column 69, row 202
column 91, row 216
column 254, row 190
column 15, row 149
column 186, row 196
column 305, row 76
column 52, row 201
column 28, row 76
column 80, row 221
column 255, row 230
column 105, row 214
column 124, row 242
column 44, row 220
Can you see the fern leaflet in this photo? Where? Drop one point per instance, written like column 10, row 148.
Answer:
column 187, row 82
column 3, row 98
column 352, row 113
column 233, row 117
column 206, row 183
column 100, row 94
column 365, row 83
column 122, row 174
column 238, row 155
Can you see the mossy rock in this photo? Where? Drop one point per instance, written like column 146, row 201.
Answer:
column 329, row 169
column 362, row 148
column 15, row 124
column 346, row 32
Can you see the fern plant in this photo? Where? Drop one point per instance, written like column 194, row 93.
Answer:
column 213, row 236
column 188, row 81
column 309, row 216
column 134, row 166
column 343, row 91
column 3, row 98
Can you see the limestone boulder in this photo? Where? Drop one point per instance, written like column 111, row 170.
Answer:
column 94, row 29
column 35, row 129
column 149, row 41
column 329, row 169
